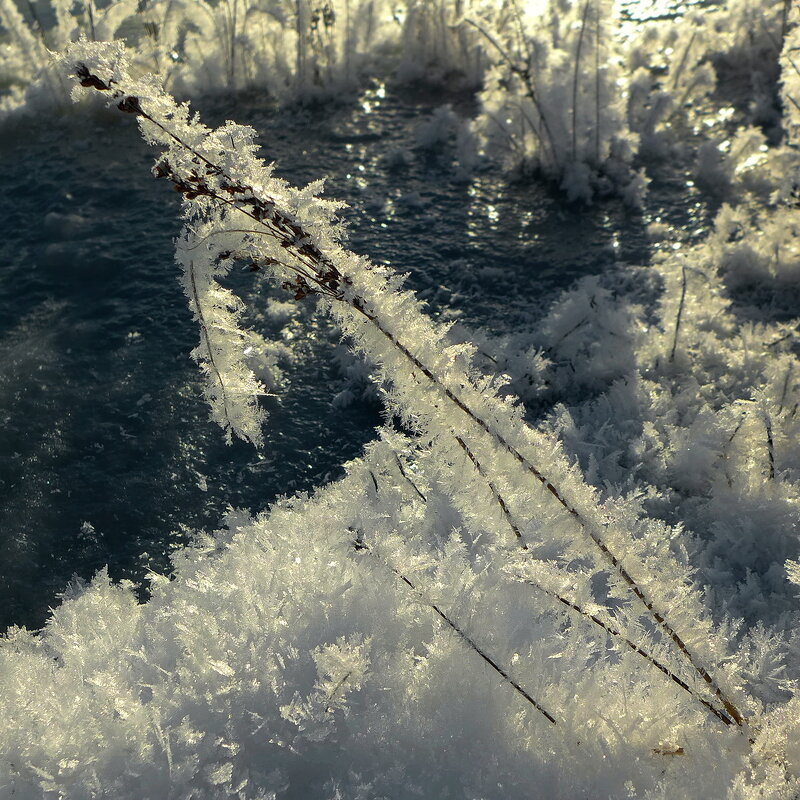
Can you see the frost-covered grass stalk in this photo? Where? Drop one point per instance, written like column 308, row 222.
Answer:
column 433, row 387
column 29, row 53
column 439, row 46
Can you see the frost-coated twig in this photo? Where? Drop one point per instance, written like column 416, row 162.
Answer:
column 616, row 634
column 784, row 55
column 315, row 273
column 550, row 348
column 682, row 64
column 585, row 524
column 785, row 337
column 597, row 84
column 730, row 441
column 785, row 388
column 359, row 544
column 335, row 691
column 499, row 499
column 204, row 333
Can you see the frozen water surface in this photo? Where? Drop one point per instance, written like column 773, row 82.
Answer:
column 106, row 454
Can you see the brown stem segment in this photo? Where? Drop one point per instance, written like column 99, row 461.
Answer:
column 360, row 545
column 497, row 496
column 413, row 485
column 679, row 316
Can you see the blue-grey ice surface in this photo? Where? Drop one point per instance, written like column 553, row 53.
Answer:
column 107, row 455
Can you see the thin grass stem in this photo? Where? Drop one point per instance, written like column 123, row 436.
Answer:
column 770, row 445
column 403, row 473
column 597, row 85
column 360, row 544
column 679, row 316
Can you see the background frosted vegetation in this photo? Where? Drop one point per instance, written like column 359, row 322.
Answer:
column 567, row 563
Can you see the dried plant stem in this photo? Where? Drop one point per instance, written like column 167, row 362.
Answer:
column 497, row 496
column 679, row 316
column 585, row 524
column 335, row 691
column 374, row 482
column 403, row 473
column 785, row 388
column 566, row 335
column 770, row 445
column 318, row 275
column 682, row 64
column 783, row 338
column 633, row 646
column 361, row 545
column 692, row 83
column 585, row 615
column 739, row 424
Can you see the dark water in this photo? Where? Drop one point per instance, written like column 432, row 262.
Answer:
column 106, row 454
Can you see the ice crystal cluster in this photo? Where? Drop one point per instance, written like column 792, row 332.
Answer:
column 561, row 92
column 600, row 604
column 552, row 99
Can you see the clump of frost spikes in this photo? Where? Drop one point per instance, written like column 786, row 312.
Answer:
column 554, row 99
column 302, row 50
column 561, row 91
column 451, row 589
